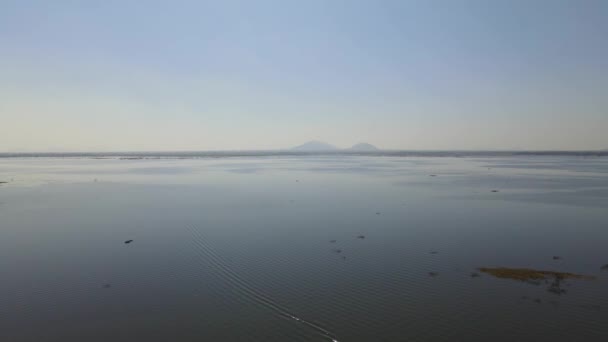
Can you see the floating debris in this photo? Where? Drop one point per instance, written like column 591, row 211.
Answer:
column 475, row 275
column 526, row 274
column 361, row 237
column 537, row 300
column 297, row 180
column 3, row 183
column 337, row 250
column 604, row 268
column 107, row 286
column 378, row 213
column 555, row 257
column 433, row 252
column 433, row 274
column 128, row 241
column 333, row 241
column 432, row 175
column 494, row 190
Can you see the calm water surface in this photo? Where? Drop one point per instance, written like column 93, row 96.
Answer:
column 241, row 248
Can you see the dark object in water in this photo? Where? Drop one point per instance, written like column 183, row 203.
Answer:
column 537, row 300
column 128, row 241
column 337, row 250
column 555, row 286
column 343, row 258
column 475, row 275
column 333, row 241
column 556, row 290
column 378, row 213
column 3, row 183
column 494, row 190
column 433, row 252
column 555, row 257
column 361, row 237
column 297, row 180
column 604, row 268
column 107, row 286
column 433, row 274
column 432, row 175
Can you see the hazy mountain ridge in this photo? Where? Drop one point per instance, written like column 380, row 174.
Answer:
column 364, row 147
column 315, row 145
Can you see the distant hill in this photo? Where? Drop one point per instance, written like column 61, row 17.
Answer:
column 364, row 147
column 315, row 146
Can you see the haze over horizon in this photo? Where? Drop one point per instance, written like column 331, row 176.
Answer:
column 244, row 75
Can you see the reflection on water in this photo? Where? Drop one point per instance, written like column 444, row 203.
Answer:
column 304, row 248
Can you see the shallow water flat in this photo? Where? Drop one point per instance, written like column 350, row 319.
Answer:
column 302, row 248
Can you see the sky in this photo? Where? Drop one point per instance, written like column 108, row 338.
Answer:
column 120, row 75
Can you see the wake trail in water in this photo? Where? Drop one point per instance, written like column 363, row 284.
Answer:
column 235, row 280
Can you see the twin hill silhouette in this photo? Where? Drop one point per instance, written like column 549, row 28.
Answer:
column 323, row 146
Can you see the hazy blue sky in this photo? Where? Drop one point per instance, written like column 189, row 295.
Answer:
column 198, row 75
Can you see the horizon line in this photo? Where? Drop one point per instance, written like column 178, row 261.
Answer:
column 295, row 151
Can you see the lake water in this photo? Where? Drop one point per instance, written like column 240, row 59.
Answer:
column 241, row 248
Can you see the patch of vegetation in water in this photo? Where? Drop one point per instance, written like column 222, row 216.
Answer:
column 535, row 276
column 528, row 274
